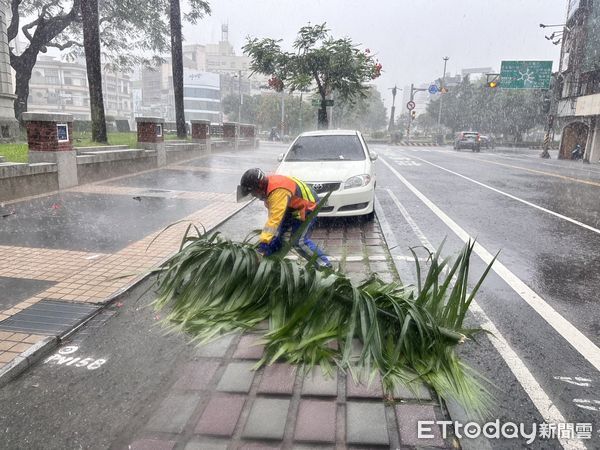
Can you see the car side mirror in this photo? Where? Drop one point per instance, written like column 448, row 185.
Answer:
column 280, row 157
column 373, row 156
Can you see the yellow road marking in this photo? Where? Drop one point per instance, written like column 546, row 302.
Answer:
column 541, row 172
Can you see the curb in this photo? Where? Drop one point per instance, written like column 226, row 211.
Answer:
column 27, row 359
column 37, row 351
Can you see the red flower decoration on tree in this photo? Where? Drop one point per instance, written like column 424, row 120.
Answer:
column 275, row 83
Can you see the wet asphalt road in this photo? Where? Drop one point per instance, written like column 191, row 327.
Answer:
column 553, row 254
column 54, row 406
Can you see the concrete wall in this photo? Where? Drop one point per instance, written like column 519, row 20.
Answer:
column 182, row 152
column 100, row 166
column 23, row 180
column 594, row 150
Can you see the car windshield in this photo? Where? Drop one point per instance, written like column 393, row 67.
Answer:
column 327, row 148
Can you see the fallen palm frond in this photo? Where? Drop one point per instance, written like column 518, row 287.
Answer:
column 408, row 334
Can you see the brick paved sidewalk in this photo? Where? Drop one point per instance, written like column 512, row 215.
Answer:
column 74, row 247
column 218, row 401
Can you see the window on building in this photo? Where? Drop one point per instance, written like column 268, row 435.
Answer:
column 52, row 98
column 198, row 92
column 202, row 105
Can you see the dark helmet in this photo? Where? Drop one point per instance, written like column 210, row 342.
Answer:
column 254, row 181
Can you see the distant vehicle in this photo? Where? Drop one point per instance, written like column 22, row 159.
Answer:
column 577, row 152
column 336, row 161
column 274, row 135
column 468, row 139
column 486, row 142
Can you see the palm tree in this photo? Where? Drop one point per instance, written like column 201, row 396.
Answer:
column 91, row 45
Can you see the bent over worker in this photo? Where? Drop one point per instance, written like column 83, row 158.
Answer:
column 290, row 202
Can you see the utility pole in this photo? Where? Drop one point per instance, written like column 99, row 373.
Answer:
column 413, row 89
column 240, row 95
column 301, row 92
column 282, row 113
column 552, row 91
column 393, row 110
column 446, row 58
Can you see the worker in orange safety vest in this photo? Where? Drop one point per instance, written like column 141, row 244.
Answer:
column 290, row 202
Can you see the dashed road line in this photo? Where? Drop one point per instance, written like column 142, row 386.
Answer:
column 506, row 194
column 540, row 172
column 562, row 326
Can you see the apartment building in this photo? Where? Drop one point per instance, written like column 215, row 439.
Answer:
column 61, row 86
column 577, row 86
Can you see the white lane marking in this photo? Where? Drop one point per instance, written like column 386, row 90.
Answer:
column 591, row 405
column 577, row 381
column 538, row 396
column 566, row 329
column 536, row 393
column 506, row 194
column 403, row 161
column 410, row 258
column 354, row 258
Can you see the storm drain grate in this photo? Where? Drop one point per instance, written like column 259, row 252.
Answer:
column 48, row 317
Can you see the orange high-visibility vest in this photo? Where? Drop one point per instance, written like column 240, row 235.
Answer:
column 302, row 200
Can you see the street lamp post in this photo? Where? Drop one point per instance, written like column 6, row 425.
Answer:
column 282, row 113
column 240, row 95
column 446, row 58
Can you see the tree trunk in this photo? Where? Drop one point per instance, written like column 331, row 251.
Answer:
column 22, row 77
column 177, row 65
column 91, row 44
column 323, row 120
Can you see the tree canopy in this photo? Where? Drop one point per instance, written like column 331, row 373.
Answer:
column 319, row 63
column 131, row 33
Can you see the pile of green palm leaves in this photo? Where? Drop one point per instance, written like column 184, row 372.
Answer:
column 409, row 334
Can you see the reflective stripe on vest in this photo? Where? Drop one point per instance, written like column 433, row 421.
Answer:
column 302, row 197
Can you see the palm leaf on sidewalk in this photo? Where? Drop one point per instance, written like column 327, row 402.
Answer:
column 214, row 286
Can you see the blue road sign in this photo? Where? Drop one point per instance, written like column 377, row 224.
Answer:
column 433, row 89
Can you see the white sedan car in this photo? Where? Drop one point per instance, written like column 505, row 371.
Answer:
column 338, row 161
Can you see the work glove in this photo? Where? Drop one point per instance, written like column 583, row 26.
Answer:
column 263, row 249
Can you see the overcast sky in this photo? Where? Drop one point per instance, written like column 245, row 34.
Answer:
column 410, row 37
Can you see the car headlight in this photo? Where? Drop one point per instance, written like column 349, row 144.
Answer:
column 357, row 181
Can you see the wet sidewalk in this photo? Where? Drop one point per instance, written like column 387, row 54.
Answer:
column 64, row 255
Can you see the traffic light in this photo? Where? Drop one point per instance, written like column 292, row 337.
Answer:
column 492, row 80
column 413, row 114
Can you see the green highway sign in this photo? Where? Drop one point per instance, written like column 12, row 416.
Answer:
column 525, row 74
